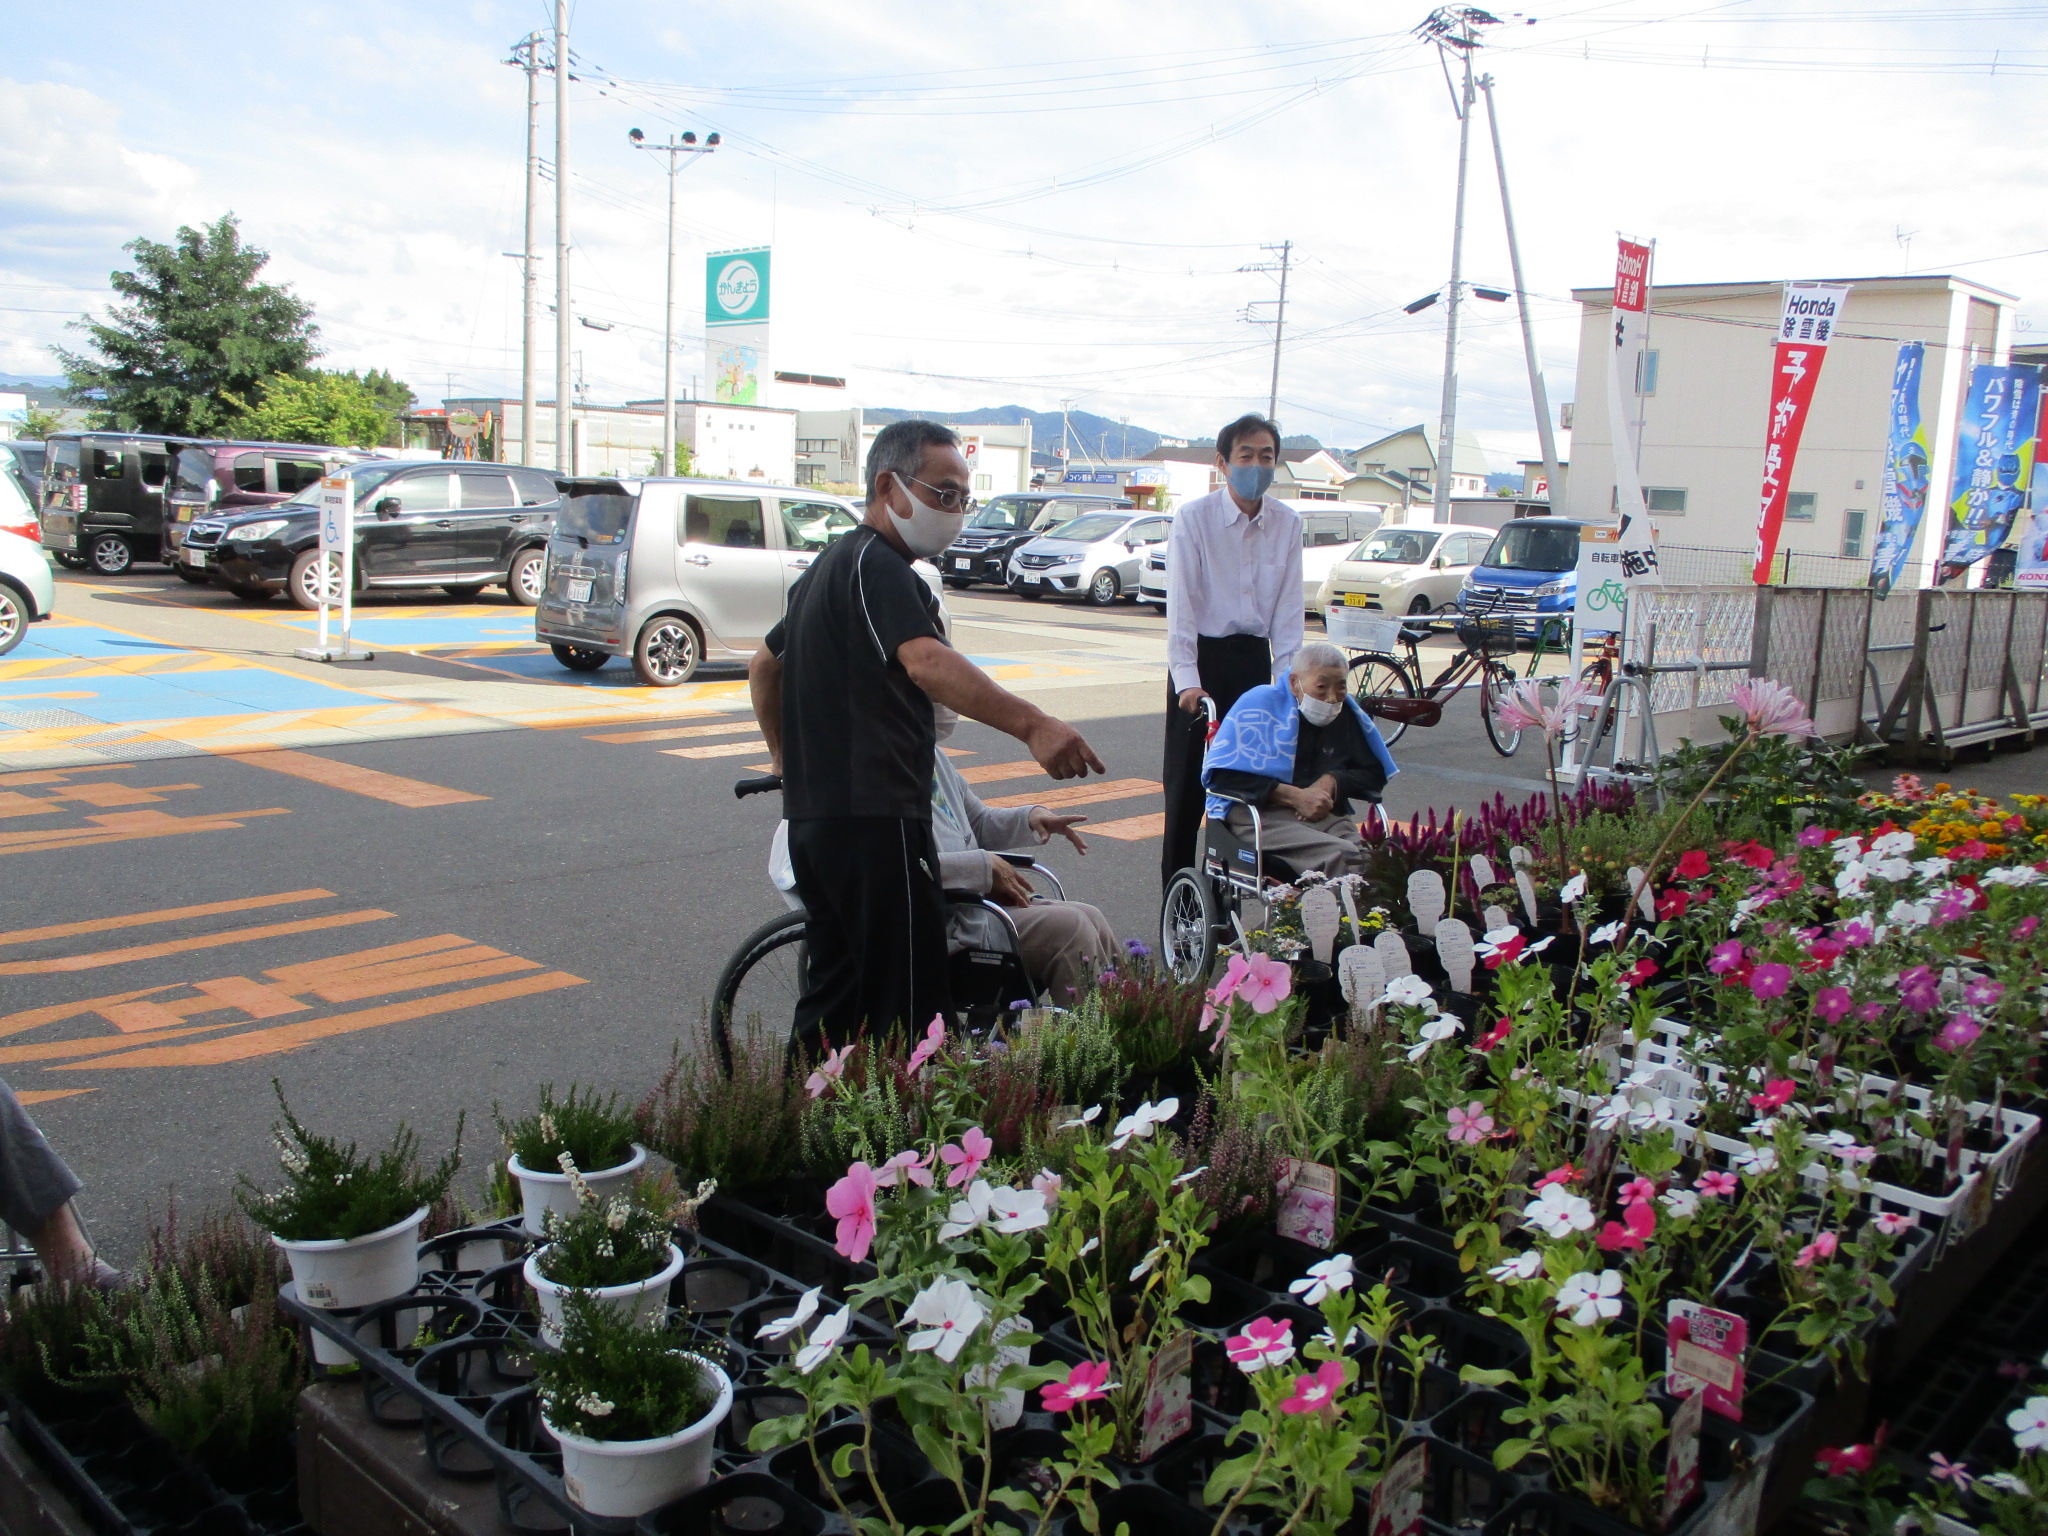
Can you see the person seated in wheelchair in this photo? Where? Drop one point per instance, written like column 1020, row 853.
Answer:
column 1062, row 944
column 1302, row 753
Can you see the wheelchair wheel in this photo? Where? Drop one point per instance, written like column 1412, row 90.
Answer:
column 1187, row 927
column 763, row 980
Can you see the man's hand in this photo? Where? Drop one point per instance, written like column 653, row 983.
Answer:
column 1312, row 803
column 1006, row 887
column 1048, row 824
column 1191, row 699
column 1060, row 749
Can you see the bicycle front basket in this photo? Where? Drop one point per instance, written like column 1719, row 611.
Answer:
column 1487, row 634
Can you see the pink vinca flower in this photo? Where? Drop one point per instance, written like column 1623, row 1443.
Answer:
column 966, row 1159
column 1086, row 1383
column 1919, row 990
column 1471, row 1125
column 1727, row 956
column 906, row 1167
column 1234, row 972
column 1959, row 1032
column 1266, row 984
column 1769, row 981
column 1831, row 1003
column 1638, row 1189
column 852, row 1200
column 927, row 1048
column 1983, row 992
column 1822, row 1247
column 1770, row 709
column 1715, row 1184
column 1266, row 1341
column 1778, row 1092
column 2025, row 927
column 829, row 1071
column 1316, row 1392
column 1047, row 1183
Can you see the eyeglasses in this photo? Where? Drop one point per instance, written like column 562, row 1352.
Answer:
column 948, row 500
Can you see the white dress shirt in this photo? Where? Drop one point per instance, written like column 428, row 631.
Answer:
column 1228, row 574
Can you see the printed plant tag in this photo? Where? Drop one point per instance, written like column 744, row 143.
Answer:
column 1705, row 1348
column 1010, row 1407
column 1518, row 856
column 1496, row 918
column 1977, row 1203
column 1393, row 952
column 1397, row 1501
column 1363, row 979
column 1426, row 898
column 1169, row 1397
column 1350, row 908
column 1682, row 1457
column 1454, row 949
column 1528, row 889
column 317, row 1293
column 1740, row 1506
column 1308, row 1203
column 1645, row 902
column 1482, row 871
column 1320, row 920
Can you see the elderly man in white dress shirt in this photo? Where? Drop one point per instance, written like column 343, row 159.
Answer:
column 1233, row 612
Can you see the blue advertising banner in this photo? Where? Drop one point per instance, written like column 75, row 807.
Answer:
column 1906, row 477
column 1995, row 442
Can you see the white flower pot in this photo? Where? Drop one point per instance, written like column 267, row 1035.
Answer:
column 642, row 1300
column 347, row 1272
column 625, row 1478
column 540, row 1191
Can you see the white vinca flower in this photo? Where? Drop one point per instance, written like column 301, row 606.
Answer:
column 1443, row 1027
column 1588, row 1297
column 1145, row 1265
column 1523, row 1266
column 1018, row 1210
column 1411, row 991
column 1330, row 1275
column 949, row 1312
column 1891, row 845
column 782, row 1327
column 1087, row 1117
column 1681, row 1203
column 823, row 1340
column 2029, row 1424
column 1572, row 889
column 1606, row 933
column 1142, row 1121
column 1557, row 1212
column 1612, row 1113
column 1758, row 1161
column 968, row 1212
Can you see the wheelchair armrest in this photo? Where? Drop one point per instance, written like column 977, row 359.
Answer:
column 964, row 898
column 1018, row 860
column 1224, row 794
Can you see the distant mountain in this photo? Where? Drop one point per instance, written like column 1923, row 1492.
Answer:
column 31, row 381
column 1097, row 436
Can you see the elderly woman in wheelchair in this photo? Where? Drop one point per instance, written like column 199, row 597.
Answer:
column 1286, row 771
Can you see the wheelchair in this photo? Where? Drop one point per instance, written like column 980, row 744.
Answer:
column 768, row 972
column 1203, row 910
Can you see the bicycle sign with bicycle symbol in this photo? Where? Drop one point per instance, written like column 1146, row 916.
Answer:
column 1609, row 596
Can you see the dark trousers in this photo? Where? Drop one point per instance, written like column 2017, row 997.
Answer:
column 1228, row 667
column 875, row 930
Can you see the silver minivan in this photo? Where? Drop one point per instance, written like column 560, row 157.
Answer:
column 1096, row 556
column 673, row 573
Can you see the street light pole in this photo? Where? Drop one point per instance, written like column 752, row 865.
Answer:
column 564, row 460
column 527, row 56
column 675, row 148
column 1538, row 395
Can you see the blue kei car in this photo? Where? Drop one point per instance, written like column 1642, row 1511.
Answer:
column 1529, row 572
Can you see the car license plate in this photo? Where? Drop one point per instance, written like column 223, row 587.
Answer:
column 963, row 565
column 579, row 591
column 1027, row 576
column 1356, row 600
column 199, row 558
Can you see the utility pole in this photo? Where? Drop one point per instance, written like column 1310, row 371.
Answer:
column 675, row 149
column 1286, row 250
column 526, row 55
column 1452, row 28
column 1539, row 396
column 1066, row 434
column 564, row 461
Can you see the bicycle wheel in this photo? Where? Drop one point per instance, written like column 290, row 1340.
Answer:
column 1380, row 676
column 1496, row 682
column 760, row 983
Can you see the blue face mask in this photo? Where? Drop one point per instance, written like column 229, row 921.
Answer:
column 1250, row 481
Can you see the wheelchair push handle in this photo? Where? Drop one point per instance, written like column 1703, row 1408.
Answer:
column 767, row 784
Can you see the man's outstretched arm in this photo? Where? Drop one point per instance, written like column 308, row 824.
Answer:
column 954, row 681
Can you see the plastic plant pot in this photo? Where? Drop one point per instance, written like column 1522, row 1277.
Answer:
column 540, row 1191
column 343, row 1273
column 641, row 1301
column 627, row 1478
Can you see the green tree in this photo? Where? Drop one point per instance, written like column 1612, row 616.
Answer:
column 198, row 331
column 37, row 422
column 395, row 395
column 336, row 408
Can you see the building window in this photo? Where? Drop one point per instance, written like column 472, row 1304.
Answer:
column 984, row 482
column 817, row 445
column 1665, row 498
column 810, row 474
column 1646, row 372
column 1420, row 472
column 1852, row 533
column 1799, row 506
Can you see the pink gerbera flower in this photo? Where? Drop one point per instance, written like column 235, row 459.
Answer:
column 1770, row 709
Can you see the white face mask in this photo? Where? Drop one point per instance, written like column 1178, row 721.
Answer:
column 1318, row 711
column 927, row 529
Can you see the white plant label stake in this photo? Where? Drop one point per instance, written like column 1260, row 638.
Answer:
column 1454, row 949
column 1350, row 909
column 1496, row 919
column 1426, row 898
column 1363, row 978
column 1645, row 902
column 1482, row 871
column 1520, row 858
column 1393, row 953
column 1320, row 920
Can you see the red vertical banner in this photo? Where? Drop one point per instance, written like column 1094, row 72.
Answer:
column 1806, row 324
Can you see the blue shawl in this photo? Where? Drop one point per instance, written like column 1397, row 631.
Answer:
column 1260, row 735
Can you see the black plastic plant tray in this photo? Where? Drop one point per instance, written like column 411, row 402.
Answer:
column 464, row 1384
column 126, row 1480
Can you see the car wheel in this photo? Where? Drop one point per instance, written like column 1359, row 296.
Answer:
column 14, row 618
column 196, row 578
column 315, row 577
column 71, row 562
column 528, row 579
column 1103, row 590
column 249, row 594
column 1030, row 594
column 465, row 592
column 579, row 658
column 666, row 652
column 1421, row 604
column 111, row 556
column 1158, row 608
column 958, row 583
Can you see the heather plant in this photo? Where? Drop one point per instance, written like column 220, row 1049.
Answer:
column 333, row 1190
column 737, row 1129
column 1152, row 1017
column 607, row 1242
column 1076, row 1054
column 594, row 1131
column 616, row 1379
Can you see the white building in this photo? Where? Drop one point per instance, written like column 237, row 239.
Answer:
column 726, row 442
column 1399, row 471
column 1705, row 397
column 832, row 449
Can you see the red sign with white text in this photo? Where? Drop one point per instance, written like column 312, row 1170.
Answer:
column 1631, row 276
column 1805, row 325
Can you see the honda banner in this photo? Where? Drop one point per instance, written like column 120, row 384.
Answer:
column 1906, row 475
column 1995, row 443
column 1805, row 325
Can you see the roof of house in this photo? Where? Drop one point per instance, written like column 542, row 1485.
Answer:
column 1467, row 457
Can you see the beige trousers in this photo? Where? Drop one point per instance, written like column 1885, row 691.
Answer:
column 1065, row 945
column 1330, row 845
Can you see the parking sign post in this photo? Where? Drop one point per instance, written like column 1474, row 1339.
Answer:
column 337, row 544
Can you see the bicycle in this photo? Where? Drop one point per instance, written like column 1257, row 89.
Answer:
column 1392, row 692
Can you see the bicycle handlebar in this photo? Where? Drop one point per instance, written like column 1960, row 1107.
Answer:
column 768, row 784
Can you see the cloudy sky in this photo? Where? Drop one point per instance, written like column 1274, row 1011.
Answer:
column 975, row 205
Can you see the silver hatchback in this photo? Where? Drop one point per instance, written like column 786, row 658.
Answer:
column 1096, row 556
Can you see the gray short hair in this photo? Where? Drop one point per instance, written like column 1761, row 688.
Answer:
column 1316, row 655
column 899, row 448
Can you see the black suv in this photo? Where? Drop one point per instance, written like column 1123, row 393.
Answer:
column 1004, row 525
column 456, row 525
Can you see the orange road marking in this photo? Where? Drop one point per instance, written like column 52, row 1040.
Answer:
column 1081, row 794
column 160, row 915
column 414, row 793
column 289, row 1037
column 623, row 715
column 98, row 1045
column 126, row 827
column 17, row 698
column 44, row 1095
column 107, row 795
column 623, row 738
column 60, row 775
column 399, row 968
column 184, row 946
column 991, row 773
column 14, row 803
column 1132, row 829
column 57, row 1013
column 723, row 749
